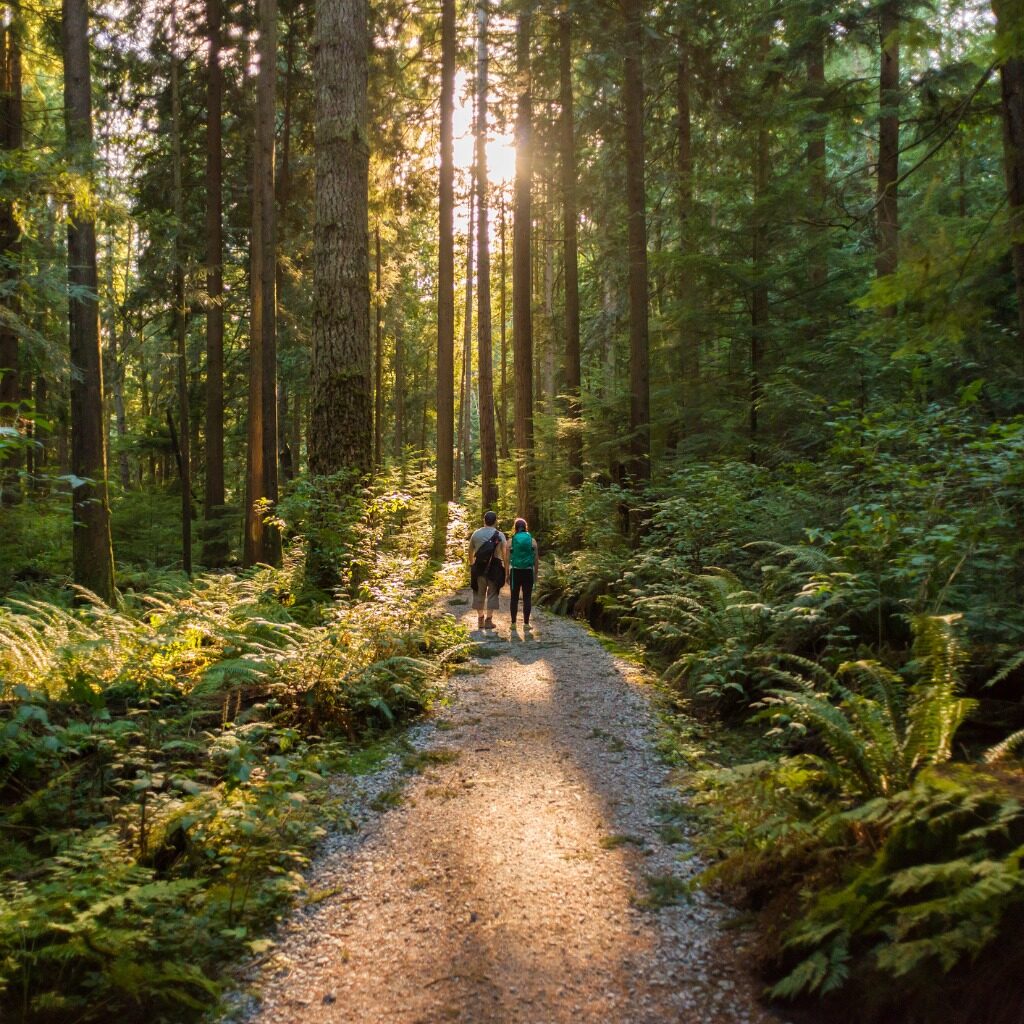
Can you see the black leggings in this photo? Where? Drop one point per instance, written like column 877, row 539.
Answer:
column 522, row 580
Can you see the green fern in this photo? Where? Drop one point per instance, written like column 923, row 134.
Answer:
column 878, row 731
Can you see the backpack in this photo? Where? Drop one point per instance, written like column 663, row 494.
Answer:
column 485, row 553
column 522, row 551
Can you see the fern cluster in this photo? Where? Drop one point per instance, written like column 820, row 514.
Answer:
column 163, row 765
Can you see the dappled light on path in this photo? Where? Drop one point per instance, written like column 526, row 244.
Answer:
column 510, row 883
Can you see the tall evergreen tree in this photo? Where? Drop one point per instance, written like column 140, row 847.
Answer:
column 636, row 202
column 446, row 284
column 92, row 551
column 1010, row 42
column 522, row 235
column 11, row 132
column 263, row 542
column 341, row 414
column 215, row 548
column 570, row 253
column 485, row 367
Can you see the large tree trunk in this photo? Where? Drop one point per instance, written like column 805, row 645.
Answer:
column 485, row 368
column 887, row 256
column 639, row 373
column 522, row 323
column 263, row 542
column 574, row 444
column 11, row 131
column 1009, row 19
column 340, row 428
column 445, row 285
column 180, row 314
column 92, row 552
column 215, row 545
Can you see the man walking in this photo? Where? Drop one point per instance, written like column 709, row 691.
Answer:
column 487, row 569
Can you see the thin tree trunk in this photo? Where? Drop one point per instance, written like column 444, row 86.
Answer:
column 378, row 358
column 503, row 302
column 295, row 431
column 115, row 365
column 180, row 314
column 399, row 382
column 92, row 551
column 689, row 341
column 485, row 368
column 445, row 285
column 639, row 374
column 522, row 323
column 341, row 417
column 1010, row 24
column 215, row 544
column 570, row 256
column 466, row 385
column 759, row 298
column 11, row 132
column 887, row 257
column 816, row 127
column 282, row 195
column 263, row 542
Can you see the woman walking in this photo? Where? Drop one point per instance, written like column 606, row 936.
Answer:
column 523, row 563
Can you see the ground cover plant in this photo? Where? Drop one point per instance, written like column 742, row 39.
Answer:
column 165, row 765
column 857, row 623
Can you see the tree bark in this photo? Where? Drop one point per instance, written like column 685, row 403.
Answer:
column 399, row 382
column 570, row 254
column 465, row 462
column 179, row 315
column 887, row 257
column 378, row 360
column 639, row 373
column 11, row 132
column 485, row 367
column 759, row 298
column 503, row 304
column 1009, row 18
column 689, row 342
column 522, row 234
column 816, row 128
column 445, row 285
column 263, row 542
column 215, row 546
column 92, row 551
column 340, row 427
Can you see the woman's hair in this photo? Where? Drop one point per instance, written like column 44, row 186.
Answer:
column 520, row 526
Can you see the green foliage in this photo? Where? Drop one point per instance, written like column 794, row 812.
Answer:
column 878, row 731
column 945, row 884
column 164, row 764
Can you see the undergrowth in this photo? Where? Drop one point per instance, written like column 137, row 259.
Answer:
column 856, row 626
column 164, row 764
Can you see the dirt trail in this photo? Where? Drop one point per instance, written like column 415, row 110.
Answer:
column 508, row 884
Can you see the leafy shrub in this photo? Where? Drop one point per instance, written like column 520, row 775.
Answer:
column 945, row 884
column 162, row 764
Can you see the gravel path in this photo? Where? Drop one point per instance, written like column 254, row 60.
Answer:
column 509, row 885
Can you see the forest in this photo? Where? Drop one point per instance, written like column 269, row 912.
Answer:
column 726, row 299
